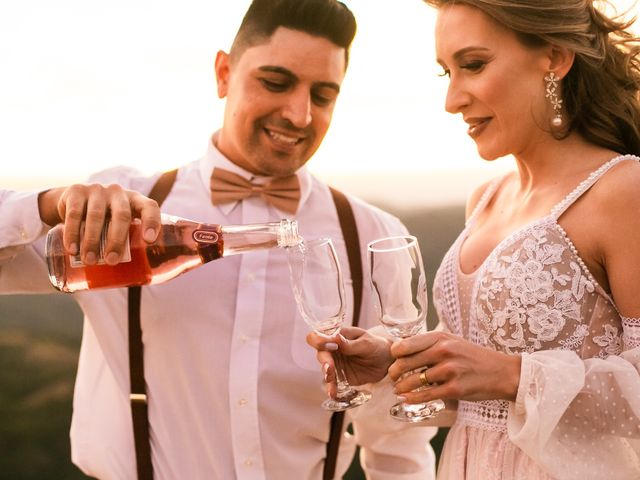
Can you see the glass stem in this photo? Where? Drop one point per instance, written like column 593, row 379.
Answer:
column 344, row 389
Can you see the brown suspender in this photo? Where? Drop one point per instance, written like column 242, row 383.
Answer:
column 138, row 396
column 352, row 241
column 163, row 186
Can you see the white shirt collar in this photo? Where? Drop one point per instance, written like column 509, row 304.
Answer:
column 214, row 158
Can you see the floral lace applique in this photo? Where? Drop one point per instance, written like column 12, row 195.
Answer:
column 610, row 341
column 575, row 340
column 529, row 296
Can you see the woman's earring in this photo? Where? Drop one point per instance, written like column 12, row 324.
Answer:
column 552, row 86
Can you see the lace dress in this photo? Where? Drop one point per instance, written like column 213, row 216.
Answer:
column 577, row 411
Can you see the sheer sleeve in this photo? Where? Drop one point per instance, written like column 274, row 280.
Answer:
column 579, row 418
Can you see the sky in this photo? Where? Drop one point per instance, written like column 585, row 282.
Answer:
column 87, row 85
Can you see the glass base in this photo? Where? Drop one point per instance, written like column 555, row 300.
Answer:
column 351, row 398
column 416, row 412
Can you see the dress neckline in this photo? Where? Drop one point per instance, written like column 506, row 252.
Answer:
column 552, row 217
column 506, row 240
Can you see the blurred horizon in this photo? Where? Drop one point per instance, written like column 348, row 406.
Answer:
column 421, row 189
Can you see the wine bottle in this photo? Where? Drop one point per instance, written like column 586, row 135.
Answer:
column 182, row 245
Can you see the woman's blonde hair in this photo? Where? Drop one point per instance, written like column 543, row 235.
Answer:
column 601, row 92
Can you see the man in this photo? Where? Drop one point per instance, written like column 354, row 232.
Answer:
column 233, row 389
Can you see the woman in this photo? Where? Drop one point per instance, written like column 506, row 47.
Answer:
column 539, row 298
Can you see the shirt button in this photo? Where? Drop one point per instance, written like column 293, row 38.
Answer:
column 248, row 462
column 23, row 235
column 251, row 277
column 244, row 338
column 242, row 402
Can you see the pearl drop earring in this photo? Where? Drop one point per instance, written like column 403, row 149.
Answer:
column 552, row 86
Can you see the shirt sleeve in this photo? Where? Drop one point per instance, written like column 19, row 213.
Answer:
column 579, row 418
column 22, row 265
column 22, row 234
column 389, row 449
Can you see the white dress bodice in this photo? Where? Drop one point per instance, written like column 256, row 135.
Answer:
column 533, row 293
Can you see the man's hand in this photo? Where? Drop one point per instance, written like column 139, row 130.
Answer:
column 87, row 208
column 366, row 356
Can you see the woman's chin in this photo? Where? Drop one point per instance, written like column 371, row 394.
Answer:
column 489, row 155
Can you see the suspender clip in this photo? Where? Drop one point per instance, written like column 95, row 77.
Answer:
column 138, row 398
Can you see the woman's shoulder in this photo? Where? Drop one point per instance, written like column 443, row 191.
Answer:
column 620, row 185
column 614, row 201
column 477, row 194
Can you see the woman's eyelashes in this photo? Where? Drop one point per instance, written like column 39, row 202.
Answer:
column 472, row 66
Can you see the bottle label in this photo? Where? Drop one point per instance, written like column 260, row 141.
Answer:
column 76, row 261
column 205, row 236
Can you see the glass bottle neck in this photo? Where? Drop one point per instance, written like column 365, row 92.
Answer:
column 241, row 238
column 285, row 232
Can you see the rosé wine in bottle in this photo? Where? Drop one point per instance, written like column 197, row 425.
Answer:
column 182, row 245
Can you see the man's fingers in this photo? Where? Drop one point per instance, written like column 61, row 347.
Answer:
column 149, row 213
column 94, row 221
column 71, row 209
column 119, row 225
column 86, row 209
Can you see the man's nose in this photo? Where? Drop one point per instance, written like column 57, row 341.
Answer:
column 297, row 108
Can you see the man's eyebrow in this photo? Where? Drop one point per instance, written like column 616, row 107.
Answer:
column 288, row 73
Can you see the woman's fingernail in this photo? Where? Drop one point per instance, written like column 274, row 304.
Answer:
column 343, row 338
column 400, row 398
column 332, row 347
column 325, row 367
column 73, row 249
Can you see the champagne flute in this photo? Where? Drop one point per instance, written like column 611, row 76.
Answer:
column 318, row 287
column 400, row 295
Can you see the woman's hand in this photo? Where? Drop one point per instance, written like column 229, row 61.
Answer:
column 457, row 369
column 366, row 356
column 85, row 209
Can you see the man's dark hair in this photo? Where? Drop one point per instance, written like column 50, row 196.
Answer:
column 329, row 19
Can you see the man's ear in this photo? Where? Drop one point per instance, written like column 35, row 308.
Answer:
column 560, row 60
column 222, row 73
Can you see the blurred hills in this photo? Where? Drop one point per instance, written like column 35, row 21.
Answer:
column 39, row 345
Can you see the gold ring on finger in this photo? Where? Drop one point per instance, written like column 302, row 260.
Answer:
column 423, row 378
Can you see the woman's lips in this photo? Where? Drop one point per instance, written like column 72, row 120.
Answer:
column 477, row 127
